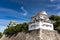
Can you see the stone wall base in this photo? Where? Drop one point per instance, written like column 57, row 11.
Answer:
column 40, row 34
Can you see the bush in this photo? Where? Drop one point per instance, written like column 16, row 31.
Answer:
column 1, row 35
column 15, row 29
column 57, row 23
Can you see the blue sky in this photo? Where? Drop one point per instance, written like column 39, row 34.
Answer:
column 22, row 10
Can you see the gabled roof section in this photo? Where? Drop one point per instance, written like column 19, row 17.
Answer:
column 43, row 12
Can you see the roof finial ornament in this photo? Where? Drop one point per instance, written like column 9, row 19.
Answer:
column 43, row 12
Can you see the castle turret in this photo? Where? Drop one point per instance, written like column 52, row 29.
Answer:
column 41, row 21
column 12, row 23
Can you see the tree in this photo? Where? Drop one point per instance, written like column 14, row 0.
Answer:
column 55, row 18
column 1, row 35
column 57, row 23
column 15, row 29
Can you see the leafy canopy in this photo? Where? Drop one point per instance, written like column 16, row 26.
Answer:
column 15, row 29
column 57, row 23
column 1, row 35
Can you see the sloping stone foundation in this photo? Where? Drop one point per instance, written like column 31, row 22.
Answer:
column 34, row 35
column 47, row 35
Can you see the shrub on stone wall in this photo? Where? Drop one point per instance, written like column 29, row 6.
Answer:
column 15, row 29
column 1, row 35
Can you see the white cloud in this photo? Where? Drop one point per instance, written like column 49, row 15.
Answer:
column 52, row 0
column 25, row 14
column 56, row 6
column 51, row 5
column 24, row 11
column 3, row 24
column 2, row 28
column 58, row 14
column 14, row 13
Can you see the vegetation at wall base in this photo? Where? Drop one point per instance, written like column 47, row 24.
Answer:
column 15, row 29
column 1, row 34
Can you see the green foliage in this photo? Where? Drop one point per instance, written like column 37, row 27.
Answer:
column 15, row 29
column 57, row 23
column 1, row 35
column 56, row 18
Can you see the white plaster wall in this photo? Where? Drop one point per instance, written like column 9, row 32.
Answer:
column 34, row 27
column 45, row 27
column 39, row 25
